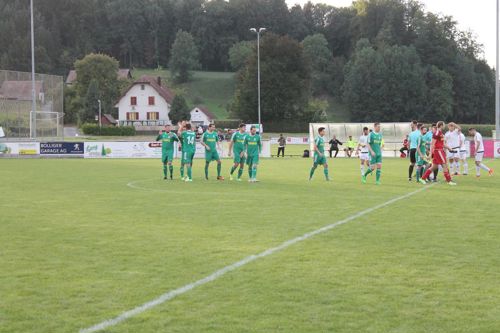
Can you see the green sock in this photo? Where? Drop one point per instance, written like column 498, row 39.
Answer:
column 182, row 170
column 419, row 169
column 326, row 173
column 164, row 170
column 254, row 172
column 379, row 172
column 219, row 169
column 311, row 173
column 250, row 171
column 368, row 172
column 206, row 169
column 189, row 172
column 233, row 169
column 240, row 172
column 171, row 169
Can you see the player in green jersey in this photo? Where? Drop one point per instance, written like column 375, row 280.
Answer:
column 319, row 154
column 253, row 147
column 188, row 138
column 421, row 153
column 375, row 142
column 167, row 138
column 210, row 140
column 237, row 148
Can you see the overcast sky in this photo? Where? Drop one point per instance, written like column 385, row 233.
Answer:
column 478, row 16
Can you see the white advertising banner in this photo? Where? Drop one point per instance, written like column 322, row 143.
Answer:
column 497, row 149
column 122, row 150
column 20, row 148
column 292, row 140
column 150, row 150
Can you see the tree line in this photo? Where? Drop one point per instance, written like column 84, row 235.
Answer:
column 383, row 59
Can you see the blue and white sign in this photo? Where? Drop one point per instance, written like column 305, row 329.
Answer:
column 61, row 148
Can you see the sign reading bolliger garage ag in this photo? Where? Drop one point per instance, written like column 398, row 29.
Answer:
column 61, row 148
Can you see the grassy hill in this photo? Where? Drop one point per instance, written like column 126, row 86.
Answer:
column 214, row 90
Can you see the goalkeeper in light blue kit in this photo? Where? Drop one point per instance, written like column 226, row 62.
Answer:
column 319, row 154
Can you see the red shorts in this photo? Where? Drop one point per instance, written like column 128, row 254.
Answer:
column 439, row 157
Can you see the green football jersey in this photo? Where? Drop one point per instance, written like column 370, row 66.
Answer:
column 253, row 144
column 375, row 142
column 238, row 140
column 188, row 141
column 167, row 140
column 210, row 139
column 422, row 144
column 320, row 143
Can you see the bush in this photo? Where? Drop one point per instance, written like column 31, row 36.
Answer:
column 485, row 130
column 93, row 129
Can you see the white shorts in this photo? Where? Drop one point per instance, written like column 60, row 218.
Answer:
column 463, row 154
column 450, row 155
column 364, row 156
column 479, row 156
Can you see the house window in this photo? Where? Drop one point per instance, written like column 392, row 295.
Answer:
column 132, row 116
column 151, row 100
column 153, row 115
column 133, row 100
column 143, row 87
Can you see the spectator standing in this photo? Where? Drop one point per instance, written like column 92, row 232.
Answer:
column 281, row 145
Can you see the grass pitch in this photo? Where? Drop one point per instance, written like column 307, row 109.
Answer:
column 79, row 246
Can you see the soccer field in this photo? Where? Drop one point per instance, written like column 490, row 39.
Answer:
column 83, row 241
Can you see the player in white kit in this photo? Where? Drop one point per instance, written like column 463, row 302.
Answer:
column 452, row 138
column 362, row 151
column 463, row 152
column 479, row 152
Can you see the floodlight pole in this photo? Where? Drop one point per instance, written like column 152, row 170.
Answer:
column 100, row 117
column 497, row 77
column 33, row 94
column 258, row 32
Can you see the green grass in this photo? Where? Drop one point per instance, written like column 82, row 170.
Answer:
column 78, row 246
column 211, row 89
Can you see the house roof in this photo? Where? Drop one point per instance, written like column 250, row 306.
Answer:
column 163, row 91
column 20, row 90
column 123, row 73
column 110, row 118
column 205, row 110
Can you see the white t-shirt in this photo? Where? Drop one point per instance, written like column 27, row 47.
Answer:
column 479, row 138
column 452, row 139
column 462, row 141
column 363, row 142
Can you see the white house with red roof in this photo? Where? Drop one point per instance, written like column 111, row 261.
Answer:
column 200, row 115
column 145, row 103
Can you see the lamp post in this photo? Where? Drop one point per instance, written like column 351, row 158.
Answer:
column 100, row 117
column 258, row 32
column 33, row 95
column 497, row 78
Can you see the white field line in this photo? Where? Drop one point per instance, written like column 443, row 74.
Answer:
column 217, row 274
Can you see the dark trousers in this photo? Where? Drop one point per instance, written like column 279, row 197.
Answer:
column 336, row 150
column 282, row 150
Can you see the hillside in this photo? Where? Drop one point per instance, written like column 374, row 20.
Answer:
column 211, row 89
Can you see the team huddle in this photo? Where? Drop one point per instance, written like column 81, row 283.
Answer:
column 245, row 148
column 430, row 151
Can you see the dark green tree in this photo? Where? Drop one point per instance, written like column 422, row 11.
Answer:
column 239, row 54
column 91, row 105
column 179, row 110
column 285, row 80
column 103, row 69
column 184, row 57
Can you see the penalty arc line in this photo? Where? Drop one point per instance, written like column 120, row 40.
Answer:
column 219, row 273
